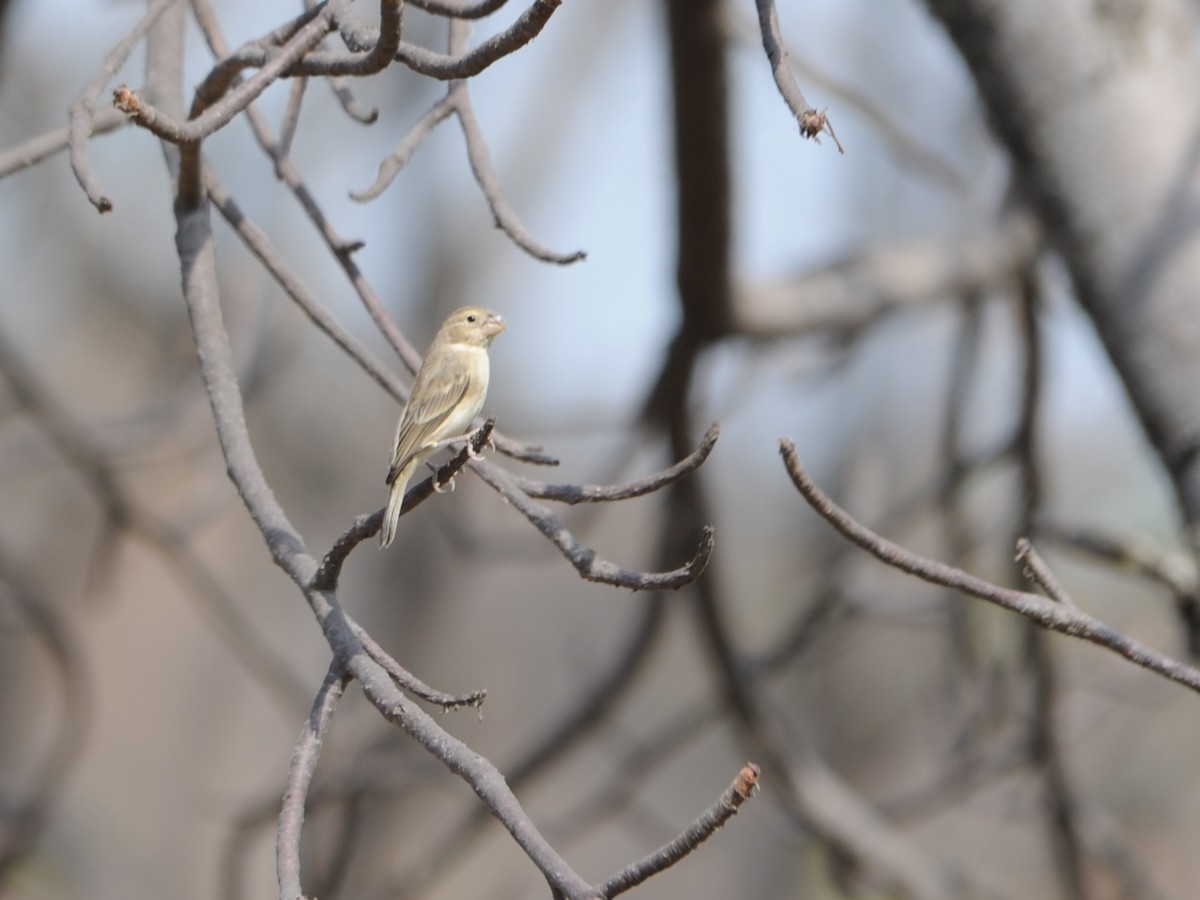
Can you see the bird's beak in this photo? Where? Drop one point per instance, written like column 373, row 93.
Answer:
column 493, row 325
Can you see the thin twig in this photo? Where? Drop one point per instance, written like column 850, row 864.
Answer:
column 82, row 112
column 896, row 133
column 585, row 560
column 742, row 789
column 36, row 149
column 1039, row 610
column 299, row 780
column 291, row 116
column 458, row 101
column 407, row 681
column 1039, row 573
column 260, row 246
column 459, row 9
column 24, row 820
column 811, row 122
column 398, row 158
column 466, row 65
column 489, row 183
column 597, row 493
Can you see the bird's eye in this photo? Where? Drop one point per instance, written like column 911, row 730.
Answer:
column 471, row 318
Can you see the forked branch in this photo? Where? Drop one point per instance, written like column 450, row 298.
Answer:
column 1063, row 617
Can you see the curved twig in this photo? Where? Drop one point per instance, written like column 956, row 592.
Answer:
column 458, row 101
column 447, row 67
column 260, row 246
column 36, row 149
column 462, row 9
column 23, row 821
column 299, row 780
column 811, row 122
column 585, row 560
column 398, row 158
column 743, row 788
column 604, row 493
column 80, row 117
column 407, row 681
column 485, row 176
column 1049, row 614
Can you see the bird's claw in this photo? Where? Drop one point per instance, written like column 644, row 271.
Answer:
column 489, row 444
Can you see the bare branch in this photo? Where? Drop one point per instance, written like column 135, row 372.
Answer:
column 291, row 116
column 299, row 780
column 595, row 493
column 405, row 680
column 458, row 101
column 197, row 255
column 1039, row 610
column 1039, row 573
column 448, row 67
column 726, row 807
column 398, row 159
column 196, row 252
column 811, row 122
column 855, row 292
column 260, row 246
column 907, row 147
column 23, row 820
column 485, row 175
column 209, row 114
column 80, row 116
column 459, row 9
column 55, row 141
column 584, row 559
column 367, row 526
column 263, row 54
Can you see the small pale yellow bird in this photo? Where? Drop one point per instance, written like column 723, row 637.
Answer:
column 446, row 397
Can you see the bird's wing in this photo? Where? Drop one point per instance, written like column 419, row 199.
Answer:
column 439, row 387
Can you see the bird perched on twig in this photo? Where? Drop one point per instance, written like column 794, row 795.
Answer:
column 446, row 397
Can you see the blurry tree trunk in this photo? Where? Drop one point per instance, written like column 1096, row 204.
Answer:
column 1096, row 102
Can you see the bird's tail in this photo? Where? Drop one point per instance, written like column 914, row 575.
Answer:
column 391, row 517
